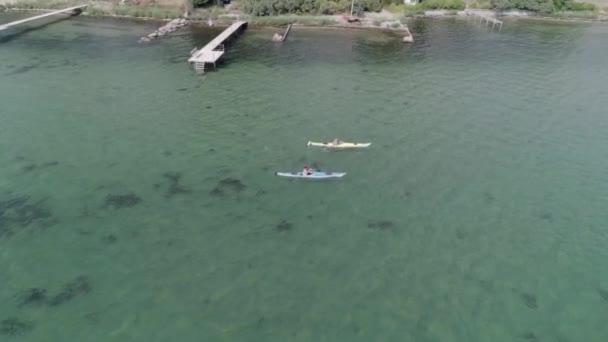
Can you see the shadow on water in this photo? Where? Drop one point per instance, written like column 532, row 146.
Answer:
column 19, row 33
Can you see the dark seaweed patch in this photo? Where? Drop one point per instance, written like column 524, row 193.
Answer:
column 121, row 201
column 174, row 184
column 260, row 193
column 19, row 212
column 380, row 225
column 208, row 107
column 529, row 300
column 529, row 336
column 32, row 167
column 13, row 203
column 284, row 226
column 109, row 239
column 13, row 326
column 31, row 296
column 29, row 213
column 488, row 197
column 21, row 70
column 603, row 293
column 77, row 287
column 28, row 168
column 228, row 185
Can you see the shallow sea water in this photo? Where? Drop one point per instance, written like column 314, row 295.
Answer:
column 140, row 200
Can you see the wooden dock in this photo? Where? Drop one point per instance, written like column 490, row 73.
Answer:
column 212, row 52
column 482, row 16
column 279, row 38
column 74, row 10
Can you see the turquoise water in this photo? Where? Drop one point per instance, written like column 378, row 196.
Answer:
column 138, row 200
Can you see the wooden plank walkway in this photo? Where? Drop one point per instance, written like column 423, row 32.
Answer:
column 22, row 21
column 279, row 38
column 214, row 49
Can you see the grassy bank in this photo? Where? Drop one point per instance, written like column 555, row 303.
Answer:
column 100, row 8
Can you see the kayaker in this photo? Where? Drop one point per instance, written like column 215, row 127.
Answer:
column 336, row 141
column 307, row 170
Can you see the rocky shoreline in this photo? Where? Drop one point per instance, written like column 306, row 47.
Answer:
column 169, row 27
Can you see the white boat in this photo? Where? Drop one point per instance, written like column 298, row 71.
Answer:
column 314, row 175
column 341, row 145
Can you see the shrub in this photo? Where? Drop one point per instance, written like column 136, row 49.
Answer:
column 483, row 4
column 442, row 4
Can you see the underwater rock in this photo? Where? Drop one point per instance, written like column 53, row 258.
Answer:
column 529, row 300
column 284, row 226
column 174, row 184
column 122, row 201
column 13, row 326
column 31, row 296
column 380, row 225
column 77, row 287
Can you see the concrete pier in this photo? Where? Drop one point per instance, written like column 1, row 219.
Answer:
column 74, row 10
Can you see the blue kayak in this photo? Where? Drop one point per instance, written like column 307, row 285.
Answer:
column 314, row 175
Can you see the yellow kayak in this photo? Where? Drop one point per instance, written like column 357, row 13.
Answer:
column 341, row 145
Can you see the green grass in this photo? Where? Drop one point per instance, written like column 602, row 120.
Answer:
column 482, row 4
column 293, row 19
column 574, row 15
column 395, row 8
column 40, row 4
column 93, row 10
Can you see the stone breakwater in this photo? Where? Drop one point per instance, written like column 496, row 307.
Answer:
column 169, row 27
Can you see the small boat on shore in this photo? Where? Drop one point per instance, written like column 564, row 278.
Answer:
column 340, row 145
column 314, row 175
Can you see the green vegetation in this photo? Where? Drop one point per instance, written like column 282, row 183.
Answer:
column 283, row 20
column 482, row 4
column 277, row 7
column 442, row 4
column 95, row 10
column 40, row 4
column 574, row 15
column 542, row 6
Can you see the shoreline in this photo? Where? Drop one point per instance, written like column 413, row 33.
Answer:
column 324, row 21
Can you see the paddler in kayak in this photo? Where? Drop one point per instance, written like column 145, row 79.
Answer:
column 336, row 142
column 307, row 171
